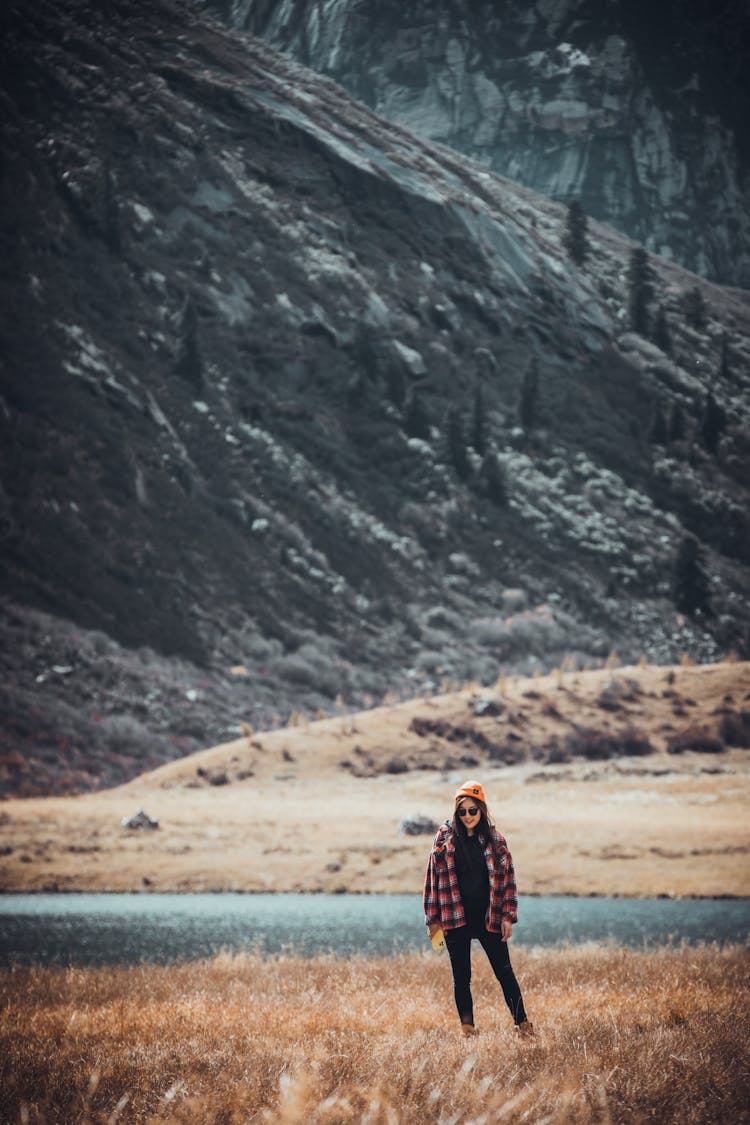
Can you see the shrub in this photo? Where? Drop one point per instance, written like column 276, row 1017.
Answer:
column 696, row 738
column 122, row 734
column 616, row 692
column 598, row 745
column 734, row 728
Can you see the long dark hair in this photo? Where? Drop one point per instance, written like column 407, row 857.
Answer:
column 459, row 828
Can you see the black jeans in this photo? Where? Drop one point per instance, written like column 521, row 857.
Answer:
column 459, row 948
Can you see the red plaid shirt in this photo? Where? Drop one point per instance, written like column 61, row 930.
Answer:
column 442, row 898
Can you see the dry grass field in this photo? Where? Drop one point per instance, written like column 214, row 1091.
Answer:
column 316, row 806
column 622, row 1037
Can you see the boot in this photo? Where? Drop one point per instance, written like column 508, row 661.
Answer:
column 468, row 1030
column 526, row 1029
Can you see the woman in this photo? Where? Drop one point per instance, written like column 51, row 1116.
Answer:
column 470, row 892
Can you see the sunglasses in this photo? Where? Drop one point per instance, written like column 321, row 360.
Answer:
column 467, row 812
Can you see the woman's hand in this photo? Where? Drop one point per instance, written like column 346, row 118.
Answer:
column 506, row 929
column 432, row 929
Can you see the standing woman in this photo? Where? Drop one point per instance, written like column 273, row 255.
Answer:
column 470, row 892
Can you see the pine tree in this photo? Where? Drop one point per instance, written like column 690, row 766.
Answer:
column 662, row 335
column 676, row 423
column 189, row 361
column 658, row 432
column 696, row 313
column 713, row 423
column 457, row 452
column 725, row 367
column 356, row 390
column 111, row 213
column 395, row 384
column 529, row 394
column 416, row 420
column 575, row 238
column 493, row 483
column 690, row 586
column 479, row 422
column 640, row 290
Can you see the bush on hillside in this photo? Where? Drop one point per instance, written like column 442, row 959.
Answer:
column 696, row 738
column 734, row 728
column 599, row 745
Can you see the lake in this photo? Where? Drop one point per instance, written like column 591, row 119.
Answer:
column 106, row 929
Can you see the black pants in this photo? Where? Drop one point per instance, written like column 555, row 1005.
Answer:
column 459, row 947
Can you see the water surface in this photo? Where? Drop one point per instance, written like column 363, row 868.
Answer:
column 103, row 929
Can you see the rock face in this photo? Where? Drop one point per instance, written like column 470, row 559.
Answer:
column 639, row 111
column 264, row 360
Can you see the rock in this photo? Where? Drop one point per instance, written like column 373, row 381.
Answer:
column 139, row 820
column 417, row 825
column 487, row 705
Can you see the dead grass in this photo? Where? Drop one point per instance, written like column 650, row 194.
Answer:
column 623, row 1037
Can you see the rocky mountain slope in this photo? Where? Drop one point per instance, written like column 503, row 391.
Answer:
column 640, row 110
column 264, row 362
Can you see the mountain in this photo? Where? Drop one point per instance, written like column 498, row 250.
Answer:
column 299, row 409
column 639, row 110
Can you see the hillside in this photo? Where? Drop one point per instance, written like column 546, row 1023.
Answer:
column 271, row 438
column 628, row 781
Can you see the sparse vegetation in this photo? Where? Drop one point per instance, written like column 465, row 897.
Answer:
column 622, row 1037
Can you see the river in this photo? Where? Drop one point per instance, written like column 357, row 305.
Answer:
column 105, row 929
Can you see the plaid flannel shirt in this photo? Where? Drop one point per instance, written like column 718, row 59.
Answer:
column 442, row 898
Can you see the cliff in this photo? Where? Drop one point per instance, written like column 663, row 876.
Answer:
column 639, row 111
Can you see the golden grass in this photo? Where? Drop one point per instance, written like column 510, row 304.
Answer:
column 623, row 1036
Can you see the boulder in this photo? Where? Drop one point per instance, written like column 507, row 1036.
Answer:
column 487, row 705
column 417, row 825
column 139, row 820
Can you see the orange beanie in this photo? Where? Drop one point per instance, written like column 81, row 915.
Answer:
column 471, row 789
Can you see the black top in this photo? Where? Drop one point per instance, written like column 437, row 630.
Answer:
column 473, row 877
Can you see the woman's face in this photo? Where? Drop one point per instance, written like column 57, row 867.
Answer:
column 465, row 808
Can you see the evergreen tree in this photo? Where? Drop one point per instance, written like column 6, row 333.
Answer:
column 658, row 433
column 713, row 423
column 111, row 213
column 364, row 354
column 493, row 483
column 356, row 390
column 696, row 313
column 189, row 361
column 457, row 452
column 479, row 422
column 529, row 395
column 662, row 335
column 575, row 238
column 676, row 423
column 416, row 420
column 690, row 586
column 725, row 367
column 640, row 290
column 395, row 384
